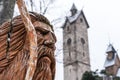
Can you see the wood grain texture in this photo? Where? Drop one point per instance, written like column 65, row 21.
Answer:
column 32, row 39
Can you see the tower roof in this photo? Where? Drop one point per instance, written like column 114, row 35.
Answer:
column 110, row 49
column 75, row 14
column 73, row 7
column 111, row 62
column 71, row 19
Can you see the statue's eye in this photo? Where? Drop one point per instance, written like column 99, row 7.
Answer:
column 42, row 27
column 42, row 30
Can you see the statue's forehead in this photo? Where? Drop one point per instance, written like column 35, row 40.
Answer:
column 44, row 28
column 41, row 25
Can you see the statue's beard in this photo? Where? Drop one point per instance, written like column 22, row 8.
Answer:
column 45, row 64
column 45, row 51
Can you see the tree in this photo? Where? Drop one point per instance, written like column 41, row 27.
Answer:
column 116, row 78
column 44, row 6
column 88, row 76
column 91, row 75
column 6, row 10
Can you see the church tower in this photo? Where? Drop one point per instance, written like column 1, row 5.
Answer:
column 75, row 45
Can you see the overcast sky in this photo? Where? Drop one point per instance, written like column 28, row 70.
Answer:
column 103, row 17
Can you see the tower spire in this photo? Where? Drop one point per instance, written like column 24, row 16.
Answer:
column 110, row 49
column 73, row 10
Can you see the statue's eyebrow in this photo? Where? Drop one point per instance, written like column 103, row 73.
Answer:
column 42, row 27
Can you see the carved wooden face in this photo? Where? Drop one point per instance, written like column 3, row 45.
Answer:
column 46, row 33
column 46, row 46
column 110, row 55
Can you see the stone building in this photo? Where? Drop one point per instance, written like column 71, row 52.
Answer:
column 75, row 45
column 112, row 62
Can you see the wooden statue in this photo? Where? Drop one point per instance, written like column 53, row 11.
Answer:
column 17, row 60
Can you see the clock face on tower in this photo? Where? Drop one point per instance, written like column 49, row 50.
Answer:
column 110, row 56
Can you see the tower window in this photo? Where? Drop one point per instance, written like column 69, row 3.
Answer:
column 110, row 56
column 82, row 41
column 69, row 41
column 75, row 28
column 81, row 20
column 83, row 54
column 68, row 29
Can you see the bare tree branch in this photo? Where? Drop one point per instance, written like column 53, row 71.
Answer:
column 40, row 6
column 44, row 6
column 31, row 1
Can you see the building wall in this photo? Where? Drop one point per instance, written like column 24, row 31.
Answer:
column 82, row 41
column 68, row 48
column 75, row 71
column 109, row 70
column 75, row 49
column 117, row 65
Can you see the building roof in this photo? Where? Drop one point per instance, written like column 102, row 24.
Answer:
column 71, row 19
column 110, row 62
column 110, row 49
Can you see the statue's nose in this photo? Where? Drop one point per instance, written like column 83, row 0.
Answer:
column 49, row 40
column 50, row 44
